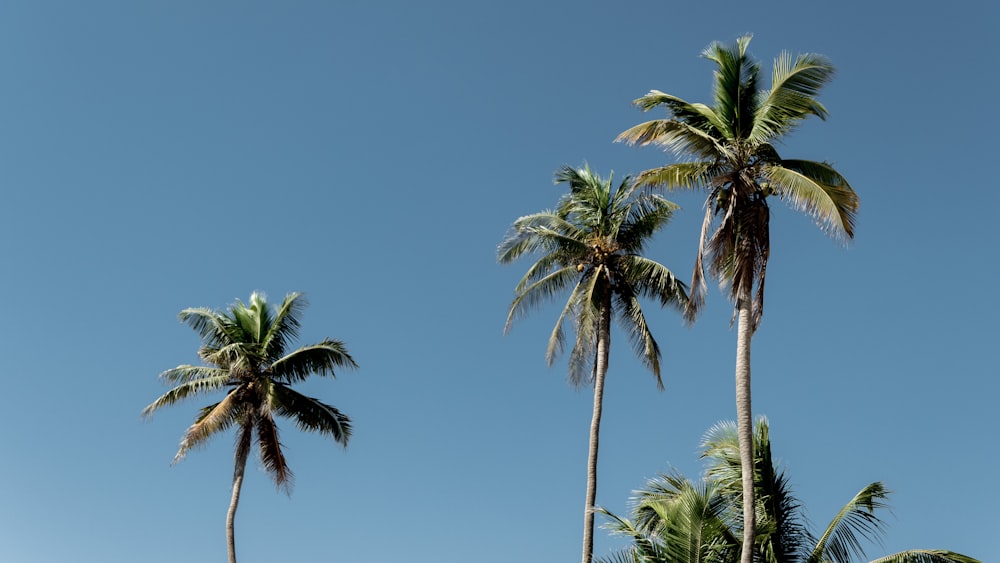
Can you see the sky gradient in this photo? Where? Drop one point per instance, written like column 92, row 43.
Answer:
column 164, row 155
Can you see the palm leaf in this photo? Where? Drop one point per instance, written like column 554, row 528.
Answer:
column 682, row 175
column 792, row 98
column 311, row 414
column 318, row 359
column 209, row 324
column 926, row 556
column 856, row 521
column 647, row 214
column 187, row 373
column 284, row 327
column 191, row 387
column 653, row 280
column 210, row 421
column 735, row 86
column 819, row 190
column 538, row 292
column 675, row 136
column 271, row 456
column 634, row 323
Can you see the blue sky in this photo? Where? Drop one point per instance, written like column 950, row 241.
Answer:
column 164, row 155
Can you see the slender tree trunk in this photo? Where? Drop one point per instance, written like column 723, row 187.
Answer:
column 744, row 419
column 240, row 465
column 600, row 371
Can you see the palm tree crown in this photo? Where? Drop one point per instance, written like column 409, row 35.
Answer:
column 679, row 521
column 592, row 244
column 246, row 352
column 732, row 144
column 735, row 160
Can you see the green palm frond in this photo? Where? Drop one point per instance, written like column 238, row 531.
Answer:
column 540, row 292
column 926, row 556
column 819, row 190
column 698, row 116
column 285, row 325
column 794, row 87
column 735, row 87
column 856, row 521
column 187, row 373
column 646, row 215
column 311, row 414
column 212, row 381
column 653, row 280
column 210, row 325
column 547, row 231
column 679, row 521
column 675, row 136
column 318, row 359
column 644, row 548
column 678, row 176
column 634, row 323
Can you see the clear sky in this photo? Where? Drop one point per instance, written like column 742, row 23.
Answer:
column 164, row 155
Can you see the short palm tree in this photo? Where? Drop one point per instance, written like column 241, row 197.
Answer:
column 246, row 349
column 675, row 520
column 591, row 245
column 735, row 160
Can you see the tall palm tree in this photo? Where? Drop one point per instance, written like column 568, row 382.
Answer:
column 591, row 245
column 735, row 160
column 677, row 521
column 246, row 351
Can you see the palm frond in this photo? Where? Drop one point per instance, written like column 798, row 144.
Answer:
column 585, row 302
column 794, row 87
column 675, row 136
column 209, row 324
column 926, row 556
column 682, row 175
column 188, row 388
column 284, row 326
column 653, row 280
column 557, row 338
column 271, row 456
column 210, row 421
column 646, row 215
column 311, row 414
column 856, row 521
column 547, row 231
column 186, row 373
column 819, row 190
column 735, row 86
column 318, row 359
column 634, row 323
column 539, row 292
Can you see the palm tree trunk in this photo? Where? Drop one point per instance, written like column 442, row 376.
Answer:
column 240, row 466
column 600, row 371
column 744, row 419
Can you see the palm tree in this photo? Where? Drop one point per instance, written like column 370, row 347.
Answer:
column 245, row 348
column 591, row 245
column 735, row 161
column 677, row 521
